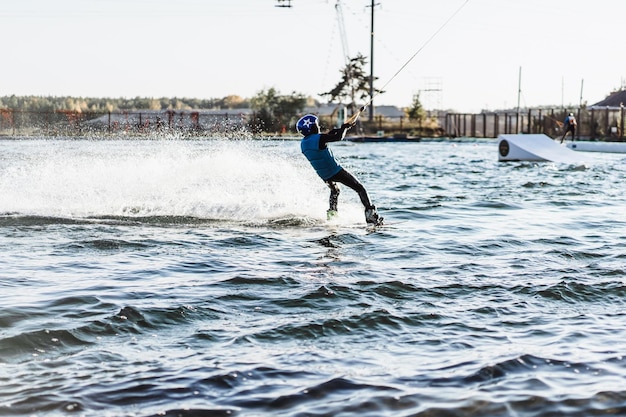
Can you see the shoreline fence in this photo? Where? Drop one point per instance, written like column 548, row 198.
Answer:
column 593, row 123
column 73, row 123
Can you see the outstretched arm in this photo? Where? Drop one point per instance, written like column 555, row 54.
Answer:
column 334, row 135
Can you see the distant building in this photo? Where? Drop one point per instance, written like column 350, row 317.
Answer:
column 615, row 100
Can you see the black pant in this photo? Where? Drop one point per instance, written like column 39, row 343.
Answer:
column 344, row 177
column 569, row 128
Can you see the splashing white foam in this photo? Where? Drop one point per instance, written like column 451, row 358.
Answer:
column 211, row 179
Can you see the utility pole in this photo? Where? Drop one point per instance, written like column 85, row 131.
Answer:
column 580, row 101
column 519, row 93
column 371, row 112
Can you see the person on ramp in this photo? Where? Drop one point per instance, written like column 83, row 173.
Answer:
column 570, row 126
column 313, row 146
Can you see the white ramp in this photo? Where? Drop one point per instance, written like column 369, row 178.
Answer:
column 535, row 148
column 612, row 147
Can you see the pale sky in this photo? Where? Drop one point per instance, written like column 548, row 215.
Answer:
column 215, row 48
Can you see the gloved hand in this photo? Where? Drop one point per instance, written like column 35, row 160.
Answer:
column 347, row 126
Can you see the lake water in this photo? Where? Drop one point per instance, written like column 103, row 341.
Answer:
column 201, row 278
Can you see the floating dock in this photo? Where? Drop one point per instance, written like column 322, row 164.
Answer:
column 609, row 147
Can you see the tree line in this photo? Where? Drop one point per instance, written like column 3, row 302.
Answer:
column 99, row 104
column 272, row 109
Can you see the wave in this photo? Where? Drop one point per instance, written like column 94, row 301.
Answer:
column 23, row 343
column 20, row 220
column 524, row 385
column 573, row 292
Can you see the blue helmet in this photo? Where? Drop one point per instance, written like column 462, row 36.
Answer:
column 306, row 123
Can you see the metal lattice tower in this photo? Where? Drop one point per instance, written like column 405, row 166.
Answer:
column 431, row 95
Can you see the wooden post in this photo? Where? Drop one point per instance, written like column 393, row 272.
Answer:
column 580, row 124
column 496, row 125
column 473, row 123
column 621, row 125
column 592, row 124
column 484, row 125
column 464, row 131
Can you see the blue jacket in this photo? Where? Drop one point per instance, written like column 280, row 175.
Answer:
column 322, row 160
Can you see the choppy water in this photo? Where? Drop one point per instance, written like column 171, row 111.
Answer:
column 184, row 278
